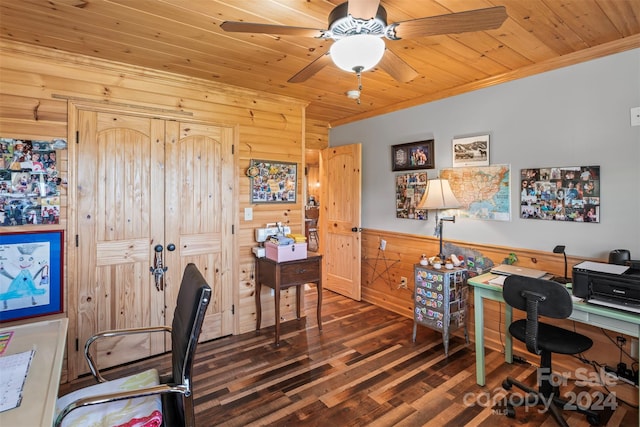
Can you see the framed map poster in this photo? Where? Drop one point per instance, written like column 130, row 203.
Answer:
column 483, row 191
column 568, row 193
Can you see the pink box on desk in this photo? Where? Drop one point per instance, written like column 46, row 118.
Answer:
column 281, row 253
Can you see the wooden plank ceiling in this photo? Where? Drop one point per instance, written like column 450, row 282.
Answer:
column 184, row 37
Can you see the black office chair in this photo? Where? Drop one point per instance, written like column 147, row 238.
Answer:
column 538, row 297
column 146, row 396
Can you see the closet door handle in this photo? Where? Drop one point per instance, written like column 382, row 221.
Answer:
column 158, row 269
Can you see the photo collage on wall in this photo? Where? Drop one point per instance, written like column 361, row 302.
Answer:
column 409, row 190
column 273, row 181
column 561, row 193
column 29, row 181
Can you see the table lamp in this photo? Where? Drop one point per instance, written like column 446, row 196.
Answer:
column 437, row 196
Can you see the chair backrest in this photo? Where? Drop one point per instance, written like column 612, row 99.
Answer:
column 312, row 212
column 537, row 297
column 193, row 298
column 553, row 299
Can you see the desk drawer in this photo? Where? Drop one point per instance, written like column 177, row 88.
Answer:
column 302, row 272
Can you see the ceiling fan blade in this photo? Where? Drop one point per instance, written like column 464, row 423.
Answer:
column 453, row 23
column 396, row 67
column 250, row 27
column 311, row 69
column 363, row 9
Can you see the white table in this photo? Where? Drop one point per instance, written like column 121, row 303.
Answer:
column 40, row 391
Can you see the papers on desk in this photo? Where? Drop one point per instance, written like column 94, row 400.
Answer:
column 602, row 267
column 498, row 280
column 13, row 373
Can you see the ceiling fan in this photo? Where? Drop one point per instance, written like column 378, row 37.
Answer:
column 357, row 28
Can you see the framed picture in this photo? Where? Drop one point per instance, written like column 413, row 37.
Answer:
column 409, row 190
column 412, row 156
column 30, row 274
column 566, row 193
column 471, row 151
column 29, row 182
column 273, row 181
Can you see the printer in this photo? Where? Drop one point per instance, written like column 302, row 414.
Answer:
column 605, row 284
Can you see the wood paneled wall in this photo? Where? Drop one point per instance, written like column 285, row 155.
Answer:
column 317, row 139
column 382, row 270
column 37, row 83
column 317, row 135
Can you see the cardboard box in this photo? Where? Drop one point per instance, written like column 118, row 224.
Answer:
column 281, row 253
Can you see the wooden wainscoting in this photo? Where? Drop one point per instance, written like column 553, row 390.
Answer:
column 382, row 270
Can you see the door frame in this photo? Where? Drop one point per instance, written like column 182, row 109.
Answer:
column 72, row 252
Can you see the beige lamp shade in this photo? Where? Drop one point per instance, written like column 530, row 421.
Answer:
column 438, row 195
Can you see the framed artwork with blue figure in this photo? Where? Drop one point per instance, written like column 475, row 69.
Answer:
column 31, row 266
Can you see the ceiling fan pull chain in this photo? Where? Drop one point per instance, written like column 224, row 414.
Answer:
column 359, row 76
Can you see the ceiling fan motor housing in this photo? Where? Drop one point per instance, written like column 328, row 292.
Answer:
column 341, row 24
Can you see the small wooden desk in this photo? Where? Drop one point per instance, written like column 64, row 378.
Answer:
column 40, row 391
column 283, row 275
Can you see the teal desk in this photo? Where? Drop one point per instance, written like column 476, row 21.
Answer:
column 600, row 317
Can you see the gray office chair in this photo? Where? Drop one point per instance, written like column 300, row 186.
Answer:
column 538, row 297
column 146, row 396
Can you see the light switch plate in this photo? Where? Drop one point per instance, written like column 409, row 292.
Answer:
column 635, row 116
column 248, row 214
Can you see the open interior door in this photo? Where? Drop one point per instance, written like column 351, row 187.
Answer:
column 340, row 219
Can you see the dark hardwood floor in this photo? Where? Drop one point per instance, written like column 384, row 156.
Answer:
column 362, row 369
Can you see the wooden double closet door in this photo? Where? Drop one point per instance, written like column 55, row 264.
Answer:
column 144, row 184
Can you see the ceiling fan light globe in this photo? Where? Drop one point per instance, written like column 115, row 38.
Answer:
column 357, row 52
